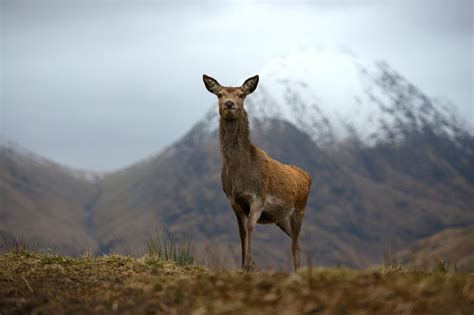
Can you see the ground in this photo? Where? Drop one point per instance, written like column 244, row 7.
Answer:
column 53, row 284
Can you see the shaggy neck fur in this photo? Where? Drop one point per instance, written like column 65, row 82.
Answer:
column 234, row 137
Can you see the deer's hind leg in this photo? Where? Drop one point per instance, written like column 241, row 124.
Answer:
column 284, row 225
column 296, row 221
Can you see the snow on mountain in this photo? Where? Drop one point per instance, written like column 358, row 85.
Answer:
column 333, row 95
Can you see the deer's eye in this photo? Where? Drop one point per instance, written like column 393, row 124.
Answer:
column 219, row 95
column 241, row 95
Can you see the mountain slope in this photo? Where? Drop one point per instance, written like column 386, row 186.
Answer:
column 362, row 201
column 452, row 245
column 44, row 203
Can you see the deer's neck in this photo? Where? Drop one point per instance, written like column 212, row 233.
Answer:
column 235, row 138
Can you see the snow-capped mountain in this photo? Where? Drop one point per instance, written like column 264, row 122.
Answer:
column 334, row 95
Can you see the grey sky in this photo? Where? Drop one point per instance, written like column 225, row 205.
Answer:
column 99, row 85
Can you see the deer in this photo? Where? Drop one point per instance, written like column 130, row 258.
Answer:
column 259, row 189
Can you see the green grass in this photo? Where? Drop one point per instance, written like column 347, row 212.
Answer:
column 49, row 283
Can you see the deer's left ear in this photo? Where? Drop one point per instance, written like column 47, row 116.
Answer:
column 250, row 84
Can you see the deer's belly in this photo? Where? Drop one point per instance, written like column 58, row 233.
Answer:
column 275, row 210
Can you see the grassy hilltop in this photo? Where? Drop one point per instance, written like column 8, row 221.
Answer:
column 51, row 284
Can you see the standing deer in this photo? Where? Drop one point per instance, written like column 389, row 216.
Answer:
column 259, row 188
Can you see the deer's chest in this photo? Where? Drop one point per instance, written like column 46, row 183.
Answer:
column 242, row 181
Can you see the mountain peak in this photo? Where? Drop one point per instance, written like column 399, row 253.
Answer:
column 334, row 95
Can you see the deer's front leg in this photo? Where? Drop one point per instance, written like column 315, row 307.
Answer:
column 256, row 208
column 242, row 221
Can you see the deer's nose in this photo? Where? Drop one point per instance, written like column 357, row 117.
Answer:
column 229, row 104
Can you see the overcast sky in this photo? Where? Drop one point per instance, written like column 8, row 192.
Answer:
column 100, row 84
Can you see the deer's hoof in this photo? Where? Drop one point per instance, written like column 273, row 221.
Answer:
column 250, row 266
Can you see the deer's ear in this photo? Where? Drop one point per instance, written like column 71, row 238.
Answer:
column 211, row 84
column 250, row 84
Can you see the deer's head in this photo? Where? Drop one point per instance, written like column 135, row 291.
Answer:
column 231, row 99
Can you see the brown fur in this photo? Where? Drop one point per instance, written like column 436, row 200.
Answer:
column 259, row 188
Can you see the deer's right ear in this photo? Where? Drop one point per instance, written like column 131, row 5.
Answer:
column 211, row 84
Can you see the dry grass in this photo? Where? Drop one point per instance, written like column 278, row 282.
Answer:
column 168, row 246
column 51, row 284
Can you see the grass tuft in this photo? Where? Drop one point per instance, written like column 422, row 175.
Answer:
column 17, row 246
column 443, row 267
column 168, row 246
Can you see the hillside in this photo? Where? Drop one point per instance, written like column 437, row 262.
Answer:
column 52, row 284
column 43, row 203
column 363, row 200
column 453, row 245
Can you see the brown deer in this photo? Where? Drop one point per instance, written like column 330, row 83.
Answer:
column 259, row 188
